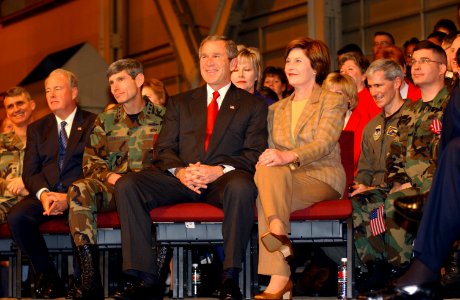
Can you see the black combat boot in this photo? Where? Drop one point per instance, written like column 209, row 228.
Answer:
column 376, row 278
column 90, row 285
column 49, row 285
column 163, row 258
column 450, row 281
column 411, row 207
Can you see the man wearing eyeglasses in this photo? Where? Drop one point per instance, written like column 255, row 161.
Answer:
column 382, row 39
column 413, row 154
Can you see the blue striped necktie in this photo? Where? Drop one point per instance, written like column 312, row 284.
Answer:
column 63, row 140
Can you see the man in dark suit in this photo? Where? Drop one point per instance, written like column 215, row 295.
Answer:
column 198, row 160
column 52, row 161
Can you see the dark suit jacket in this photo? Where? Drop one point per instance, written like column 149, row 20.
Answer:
column 41, row 168
column 239, row 135
column 450, row 121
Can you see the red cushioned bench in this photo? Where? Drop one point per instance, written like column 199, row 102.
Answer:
column 197, row 223
column 193, row 223
column 56, row 233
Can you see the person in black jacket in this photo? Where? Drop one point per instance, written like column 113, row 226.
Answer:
column 52, row 161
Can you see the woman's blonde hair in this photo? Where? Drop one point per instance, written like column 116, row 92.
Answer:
column 346, row 84
column 253, row 56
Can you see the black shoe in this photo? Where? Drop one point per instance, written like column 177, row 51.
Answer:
column 136, row 289
column 90, row 283
column 74, row 284
column 49, row 285
column 411, row 207
column 419, row 292
column 230, row 290
column 394, row 272
column 450, row 281
column 376, row 276
column 360, row 278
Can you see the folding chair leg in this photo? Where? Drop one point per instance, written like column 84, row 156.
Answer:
column 11, row 276
column 175, row 272
column 181, row 272
column 247, row 273
column 105, row 269
column 18, row 273
column 177, row 276
column 350, row 262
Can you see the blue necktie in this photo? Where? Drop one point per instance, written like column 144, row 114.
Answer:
column 63, row 139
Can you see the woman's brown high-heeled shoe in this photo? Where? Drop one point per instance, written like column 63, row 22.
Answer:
column 281, row 243
column 285, row 293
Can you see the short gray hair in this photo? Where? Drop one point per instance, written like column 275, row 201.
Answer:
column 390, row 68
column 73, row 81
column 131, row 66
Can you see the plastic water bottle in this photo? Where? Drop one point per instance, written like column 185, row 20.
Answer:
column 342, row 280
column 196, row 280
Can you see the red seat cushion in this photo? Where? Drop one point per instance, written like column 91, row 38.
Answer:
column 187, row 212
column 108, row 220
column 4, row 231
column 55, row 226
column 324, row 210
column 60, row 226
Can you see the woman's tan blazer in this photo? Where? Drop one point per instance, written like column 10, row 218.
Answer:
column 316, row 135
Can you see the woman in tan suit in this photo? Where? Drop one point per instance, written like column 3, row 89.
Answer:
column 302, row 165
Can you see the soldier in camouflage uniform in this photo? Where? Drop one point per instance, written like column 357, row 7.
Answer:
column 121, row 141
column 18, row 107
column 384, row 78
column 410, row 164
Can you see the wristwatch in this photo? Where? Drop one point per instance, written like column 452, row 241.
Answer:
column 296, row 163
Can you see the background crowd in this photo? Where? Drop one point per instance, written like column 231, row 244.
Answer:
column 249, row 136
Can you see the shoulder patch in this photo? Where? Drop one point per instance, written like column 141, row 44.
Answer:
column 377, row 132
column 392, row 131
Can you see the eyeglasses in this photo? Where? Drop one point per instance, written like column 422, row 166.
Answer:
column 383, row 43
column 424, row 61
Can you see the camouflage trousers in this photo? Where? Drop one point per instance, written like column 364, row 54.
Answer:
column 5, row 205
column 395, row 244
column 87, row 197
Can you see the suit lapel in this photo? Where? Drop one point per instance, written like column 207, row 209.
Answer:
column 51, row 137
column 229, row 107
column 282, row 124
column 199, row 111
column 227, row 110
column 75, row 136
column 308, row 110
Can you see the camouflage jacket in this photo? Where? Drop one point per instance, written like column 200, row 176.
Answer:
column 11, row 159
column 413, row 153
column 120, row 145
column 378, row 135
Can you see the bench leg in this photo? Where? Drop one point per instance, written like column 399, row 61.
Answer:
column 247, row 273
column 178, row 272
column 104, row 266
column 18, row 273
column 11, row 276
column 350, row 262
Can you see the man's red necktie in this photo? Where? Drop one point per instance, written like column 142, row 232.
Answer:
column 213, row 110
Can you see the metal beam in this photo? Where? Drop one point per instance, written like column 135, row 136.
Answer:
column 228, row 18
column 117, row 29
column 183, row 35
column 325, row 23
